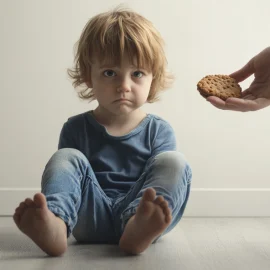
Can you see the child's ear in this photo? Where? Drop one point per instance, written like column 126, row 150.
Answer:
column 89, row 82
column 88, row 79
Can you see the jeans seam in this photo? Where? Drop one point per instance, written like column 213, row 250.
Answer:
column 130, row 190
column 101, row 191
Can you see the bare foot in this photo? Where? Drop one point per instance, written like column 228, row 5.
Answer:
column 35, row 220
column 152, row 217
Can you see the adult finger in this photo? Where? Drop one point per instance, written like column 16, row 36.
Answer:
column 221, row 104
column 216, row 101
column 249, row 97
column 245, row 105
column 245, row 93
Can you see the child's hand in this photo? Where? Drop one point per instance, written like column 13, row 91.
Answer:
column 257, row 96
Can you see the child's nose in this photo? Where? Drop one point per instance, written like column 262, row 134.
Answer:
column 124, row 85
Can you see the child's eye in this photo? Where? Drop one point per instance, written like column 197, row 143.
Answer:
column 138, row 74
column 109, row 73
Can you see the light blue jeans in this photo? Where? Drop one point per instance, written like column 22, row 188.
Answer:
column 74, row 194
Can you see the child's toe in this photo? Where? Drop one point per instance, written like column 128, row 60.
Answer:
column 29, row 202
column 16, row 218
column 22, row 205
column 164, row 204
column 149, row 195
column 159, row 200
column 165, row 207
column 168, row 218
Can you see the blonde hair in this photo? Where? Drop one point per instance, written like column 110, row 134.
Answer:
column 112, row 34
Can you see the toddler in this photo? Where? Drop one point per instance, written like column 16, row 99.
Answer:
column 117, row 176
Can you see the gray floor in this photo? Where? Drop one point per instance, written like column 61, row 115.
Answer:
column 196, row 243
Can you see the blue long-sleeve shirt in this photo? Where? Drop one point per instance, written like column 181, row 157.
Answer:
column 117, row 162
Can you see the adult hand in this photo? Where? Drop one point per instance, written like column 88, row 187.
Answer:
column 257, row 96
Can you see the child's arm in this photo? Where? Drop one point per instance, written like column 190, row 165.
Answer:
column 164, row 139
column 66, row 139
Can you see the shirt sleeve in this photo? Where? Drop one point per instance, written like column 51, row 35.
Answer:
column 66, row 139
column 165, row 139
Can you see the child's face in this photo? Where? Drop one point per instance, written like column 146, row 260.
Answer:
column 120, row 89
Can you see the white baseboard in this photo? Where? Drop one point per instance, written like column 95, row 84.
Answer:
column 202, row 202
column 229, row 202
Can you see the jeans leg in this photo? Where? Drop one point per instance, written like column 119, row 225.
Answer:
column 170, row 175
column 73, row 194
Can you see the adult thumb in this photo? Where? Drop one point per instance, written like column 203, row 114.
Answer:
column 243, row 73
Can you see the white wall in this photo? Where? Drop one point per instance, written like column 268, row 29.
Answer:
column 228, row 151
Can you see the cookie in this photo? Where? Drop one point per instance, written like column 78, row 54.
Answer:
column 222, row 86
